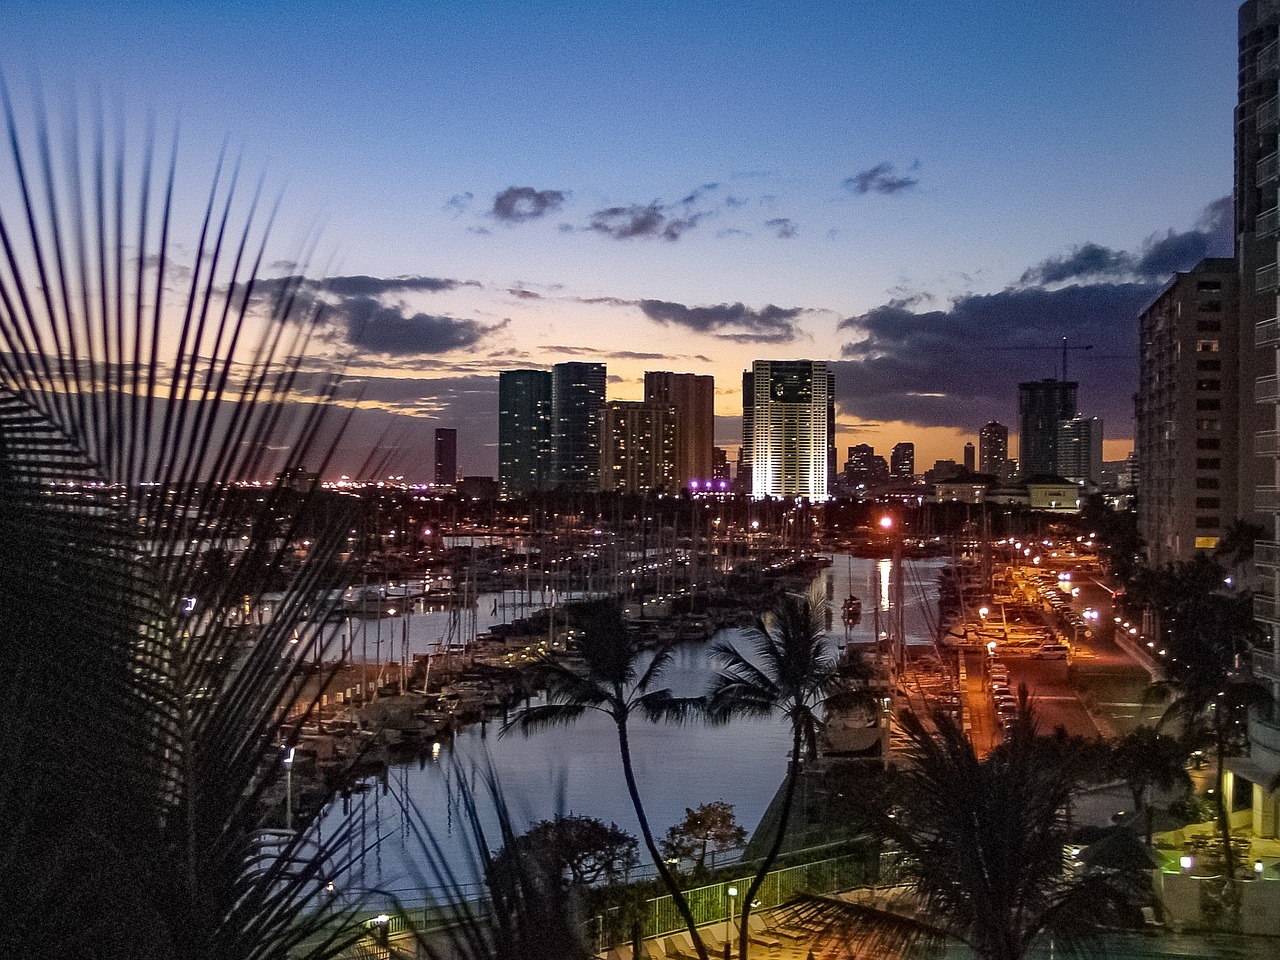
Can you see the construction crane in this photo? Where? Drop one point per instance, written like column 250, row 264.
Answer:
column 1064, row 348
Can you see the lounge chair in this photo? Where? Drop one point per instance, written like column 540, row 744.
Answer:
column 679, row 946
column 757, row 932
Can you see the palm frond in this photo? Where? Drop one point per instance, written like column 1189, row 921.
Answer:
column 142, row 711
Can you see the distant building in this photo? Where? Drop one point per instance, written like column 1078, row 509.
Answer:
column 993, row 449
column 478, row 488
column 1053, row 494
column 744, row 478
column 446, row 456
column 902, row 460
column 942, row 471
column 639, row 450
column 524, row 431
column 1187, row 452
column 577, row 405
column 970, row 459
column 1043, row 405
column 720, row 464
column 857, row 469
column 1080, row 449
column 790, row 428
column 969, row 488
column 693, row 398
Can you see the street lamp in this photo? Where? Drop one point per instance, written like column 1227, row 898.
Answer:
column 728, row 924
column 288, row 790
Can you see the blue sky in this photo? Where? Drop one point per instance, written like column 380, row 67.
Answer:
column 876, row 184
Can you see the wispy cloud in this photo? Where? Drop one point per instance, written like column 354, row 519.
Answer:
column 728, row 321
column 880, row 179
column 784, row 228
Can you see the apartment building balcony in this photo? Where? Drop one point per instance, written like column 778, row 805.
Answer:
column 1265, row 608
column 1266, row 553
column 1268, row 167
column 1266, row 222
column 1264, row 443
column 1266, row 388
column 1264, row 665
column 1267, row 332
column 1266, row 278
column 1266, row 114
column 1264, row 731
column 1267, row 60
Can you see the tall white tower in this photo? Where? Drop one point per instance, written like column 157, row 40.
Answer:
column 791, row 404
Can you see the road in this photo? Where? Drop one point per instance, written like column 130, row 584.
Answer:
column 1100, row 692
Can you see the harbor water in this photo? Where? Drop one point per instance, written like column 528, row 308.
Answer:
column 576, row 769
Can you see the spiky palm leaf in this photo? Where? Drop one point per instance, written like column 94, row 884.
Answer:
column 980, row 845
column 139, row 717
column 613, row 679
column 784, row 665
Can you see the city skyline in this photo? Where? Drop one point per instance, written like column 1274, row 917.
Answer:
column 659, row 188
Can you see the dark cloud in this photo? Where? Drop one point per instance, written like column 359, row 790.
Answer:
column 521, row 204
column 371, row 326
column 1161, row 255
column 728, row 321
column 960, row 367
column 879, row 179
column 524, row 294
column 356, row 314
column 626, row 223
column 783, row 227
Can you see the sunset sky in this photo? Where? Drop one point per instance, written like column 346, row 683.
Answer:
column 929, row 194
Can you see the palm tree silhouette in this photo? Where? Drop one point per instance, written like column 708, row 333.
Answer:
column 784, row 665
column 140, row 714
column 612, row 678
column 980, row 852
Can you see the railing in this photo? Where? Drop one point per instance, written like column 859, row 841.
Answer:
column 1267, row 60
column 1264, row 443
column 1264, row 666
column 710, row 904
column 1266, row 113
column 1266, row 222
column 1264, row 731
column 1266, row 332
column 1266, row 553
column 1266, row 388
column 1266, row 278
column 1264, row 608
column 1268, row 167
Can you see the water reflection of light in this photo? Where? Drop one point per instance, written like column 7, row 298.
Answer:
column 884, row 572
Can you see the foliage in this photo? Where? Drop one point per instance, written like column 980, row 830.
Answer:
column 585, row 850
column 609, row 675
column 785, row 667
column 532, row 908
column 980, row 848
column 140, row 714
column 1144, row 758
column 711, row 827
column 1117, row 533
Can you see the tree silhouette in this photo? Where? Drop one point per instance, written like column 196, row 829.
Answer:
column 784, row 664
column 612, row 677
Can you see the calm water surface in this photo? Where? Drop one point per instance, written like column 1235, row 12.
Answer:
column 576, row 769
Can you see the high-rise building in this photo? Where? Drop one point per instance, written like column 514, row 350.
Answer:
column 577, row 405
column 446, row 456
column 1080, row 449
column 744, row 478
column 970, row 457
column 1186, row 448
column 857, row 469
column 832, row 453
column 1256, row 135
column 1043, row 406
column 693, row 398
column 640, row 448
column 790, row 428
column 524, row 431
column 993, row 449
column 902, row 460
